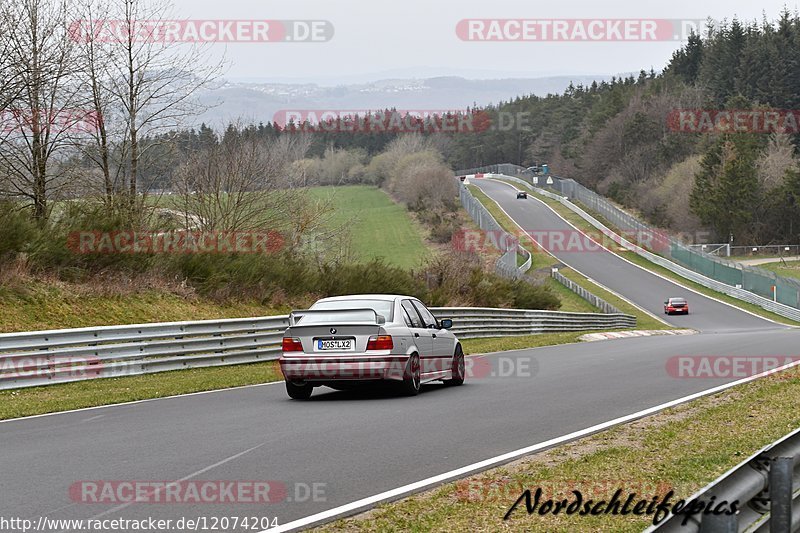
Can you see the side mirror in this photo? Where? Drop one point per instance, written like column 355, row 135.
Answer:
column 446, row 323
column 665, row 303
column 381, row 319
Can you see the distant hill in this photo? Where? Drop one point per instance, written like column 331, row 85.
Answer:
column 258, row 102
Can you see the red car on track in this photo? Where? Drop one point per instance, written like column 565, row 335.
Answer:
column 676, row 305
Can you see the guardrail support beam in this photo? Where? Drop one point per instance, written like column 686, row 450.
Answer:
column 720, row 523
column 780, row 494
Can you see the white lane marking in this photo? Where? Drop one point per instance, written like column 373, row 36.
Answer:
column 678, row 283
column 642, row 309
column 190, row 476
column 394, row 494
column 181, row 480
column 92, row 418
column 139, row 401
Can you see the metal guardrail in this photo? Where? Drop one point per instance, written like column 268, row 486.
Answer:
column 757, row 281
column 753, row 279
column 583, row 293
column 35, row 358
column 766, row 488
column 470, row 322
column 737, row 292
column 506, row 265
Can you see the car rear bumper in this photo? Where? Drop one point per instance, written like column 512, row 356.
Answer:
column 355, row 367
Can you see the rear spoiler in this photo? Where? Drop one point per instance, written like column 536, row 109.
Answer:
column 294, row 316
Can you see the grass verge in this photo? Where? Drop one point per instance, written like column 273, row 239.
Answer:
column 643, row 320
column 499, row 344
column 667, row 451
column 39, row 305
column 540, row 260
column 641, row 261
column 789, row 269
column 569, row 300
column 91, row 393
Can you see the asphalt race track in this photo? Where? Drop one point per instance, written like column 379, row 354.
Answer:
column 647, row 290
column 356, row 444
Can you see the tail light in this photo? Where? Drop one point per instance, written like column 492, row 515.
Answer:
column 380, row 342
column 292, row 344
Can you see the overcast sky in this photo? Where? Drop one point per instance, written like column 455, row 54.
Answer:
column 417, row 38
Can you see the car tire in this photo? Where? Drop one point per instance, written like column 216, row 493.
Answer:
column 459, row 367
column 411, row 377
column 299, row 392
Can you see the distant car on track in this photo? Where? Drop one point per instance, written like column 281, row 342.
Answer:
column 345, row 341
column 522, row 194
column 676, row 305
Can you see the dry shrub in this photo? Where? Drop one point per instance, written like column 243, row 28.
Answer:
column 665, row 199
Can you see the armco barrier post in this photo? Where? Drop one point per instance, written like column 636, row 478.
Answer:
column 780, row 494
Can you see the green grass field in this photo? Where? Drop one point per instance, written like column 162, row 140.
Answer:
column 380, row 227
column 790, row 269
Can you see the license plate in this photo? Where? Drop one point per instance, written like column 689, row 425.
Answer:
column 336, row 345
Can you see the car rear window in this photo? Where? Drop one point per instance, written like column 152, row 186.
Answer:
column 678, row 301
column 382, row 307
column 338, row 316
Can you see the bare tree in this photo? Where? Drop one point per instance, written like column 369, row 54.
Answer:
column 141, row 85
column 10, row 85
column 239, row 184
column 245, row 183
column 776, row 159
column 42, row 115
column 106, row 146
column 416, row 174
